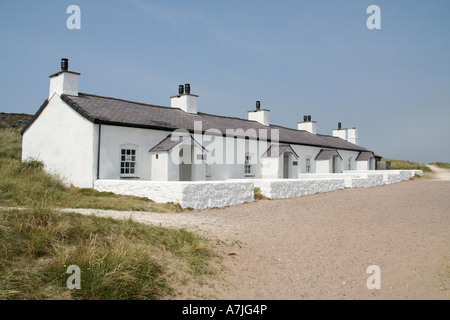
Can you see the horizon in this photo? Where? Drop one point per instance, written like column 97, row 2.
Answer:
column 297, row 58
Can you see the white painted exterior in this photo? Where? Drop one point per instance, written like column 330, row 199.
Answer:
column 261, row 116
column 186, row 102
column 310, row 126
column 351, row 135
column 340, row 133
column 195, row 195
column 365, row 164
column 64, row 141
column 64, row 82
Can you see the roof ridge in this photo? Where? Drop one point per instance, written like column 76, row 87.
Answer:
column 124, row 100
column 158, row 106
column 350, row 145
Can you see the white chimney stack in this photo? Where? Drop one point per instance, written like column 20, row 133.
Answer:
column 259, row 115
column 308, row 125
column 350, row 135
column 64, row 81
column 185, row 100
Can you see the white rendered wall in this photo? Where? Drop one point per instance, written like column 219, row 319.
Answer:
column 113, row 137
column 195, row 195
column 282, row 189
column 352, row 135
column 323, row 166
column 210, row 194
column 64, row 141
column 347, row 154
column 303, row 153
column 340, row 133
column 64, row 82
column 362, row 165
column 186, row 102
column 261, row 116
column 310, row 126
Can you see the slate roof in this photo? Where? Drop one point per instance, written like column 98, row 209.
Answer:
column 274, row 152
column 168, row 143
column 171, row 141
column 327, row 154
column 112, row 111
column 364, row 156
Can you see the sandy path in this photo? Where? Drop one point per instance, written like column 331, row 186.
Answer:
column 319, row 246
column 440, row 173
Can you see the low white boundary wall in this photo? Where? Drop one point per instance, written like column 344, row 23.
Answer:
column 216, row 194
column 195, row 195
column 291, row 188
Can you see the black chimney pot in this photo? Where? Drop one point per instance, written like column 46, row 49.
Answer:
column 339, row 126
column 258, row 105
column 305, row 118
column 187, row 88
column 180, row 89
column 309, row 118
column 64, row 64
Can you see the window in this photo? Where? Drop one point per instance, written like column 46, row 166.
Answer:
column 308, row 165
column 248, row 167
column 349, row 163
column 127, row 162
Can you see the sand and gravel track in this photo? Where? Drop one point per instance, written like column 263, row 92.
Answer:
column 320, row 246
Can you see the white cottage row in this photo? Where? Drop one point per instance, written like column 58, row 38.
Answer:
column 84, row 138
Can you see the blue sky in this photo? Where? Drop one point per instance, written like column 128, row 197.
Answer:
column 296, row 57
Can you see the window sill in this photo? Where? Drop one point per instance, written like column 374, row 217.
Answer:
column 130, row 177
column 249, row 175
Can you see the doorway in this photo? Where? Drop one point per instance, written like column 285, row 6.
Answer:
column 185, row 164
column 286, row 169
column 335, row 164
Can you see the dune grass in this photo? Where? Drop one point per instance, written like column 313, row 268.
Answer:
column 118, row 259
column 442, row 165
column 407, row 165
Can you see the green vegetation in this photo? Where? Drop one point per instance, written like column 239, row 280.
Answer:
column 14, row 120
column 407, row 165
column 118, row 259
column 26, row 184
column 442, row 165
column 259, row 195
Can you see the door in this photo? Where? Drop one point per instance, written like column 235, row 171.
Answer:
column 335, row 164
column 286, row 165
column 185, row 164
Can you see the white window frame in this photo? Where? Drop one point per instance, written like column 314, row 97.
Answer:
column 308, row 165
column 248, row 166
column 128, row 161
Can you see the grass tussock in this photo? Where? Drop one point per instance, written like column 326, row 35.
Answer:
column 118, row 259
column 259, row 195
column 407, row 165
column 26, row 184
